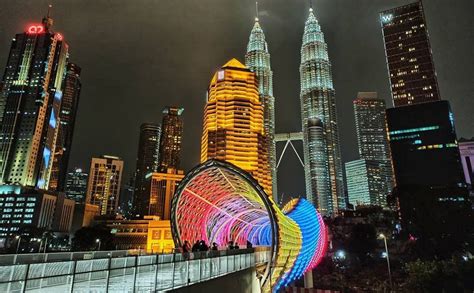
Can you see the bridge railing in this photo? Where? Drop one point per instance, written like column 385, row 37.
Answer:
column 121, row 271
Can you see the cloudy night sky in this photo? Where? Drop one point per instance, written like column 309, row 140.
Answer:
column 138, row 56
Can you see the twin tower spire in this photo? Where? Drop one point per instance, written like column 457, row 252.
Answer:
column 323, row 167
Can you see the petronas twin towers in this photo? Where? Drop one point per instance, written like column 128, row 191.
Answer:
column 323, row 169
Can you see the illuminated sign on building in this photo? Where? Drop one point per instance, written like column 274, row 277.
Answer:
column 387, row 18
column 220, row 75
column 35, row 29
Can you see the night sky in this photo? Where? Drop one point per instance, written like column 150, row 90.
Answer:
column 138, row 56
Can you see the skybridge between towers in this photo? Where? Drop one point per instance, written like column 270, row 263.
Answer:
column 288, row 138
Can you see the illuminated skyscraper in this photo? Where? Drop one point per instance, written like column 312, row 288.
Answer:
column 366, row 183
column 105, row 178
column 30, row 105
column 233, row 128
column 67, row 118
column 372, row 138
column 257, row 60
column 323, row 169
column 171, row 138
column 147, row 163
column 408, row 51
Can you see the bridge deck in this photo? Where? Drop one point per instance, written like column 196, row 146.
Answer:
column 119, row 271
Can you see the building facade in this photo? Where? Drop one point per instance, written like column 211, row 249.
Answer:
column 372, row 138
column 257, row 59
column 28, row 207
column 323, row 167
column 149, row 234
column 171, row 138
column 76, row 185
column 365, row 183
column 30, row 105
column 466, row 148
column 147, row 163
column 67, row 119
column 105, row 178
column 161, row 188
column 63, row 214
column 233, row 129
column 409, row 58
column 424, row 145
column 431, row 192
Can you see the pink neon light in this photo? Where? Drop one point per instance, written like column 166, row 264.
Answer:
column 35, row 29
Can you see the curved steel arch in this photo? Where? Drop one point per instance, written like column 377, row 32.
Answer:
column 219, row 202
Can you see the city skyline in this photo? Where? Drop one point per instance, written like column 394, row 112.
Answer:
column 236, row 19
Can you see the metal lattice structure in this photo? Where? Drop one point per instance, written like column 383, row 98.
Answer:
column 219, row 202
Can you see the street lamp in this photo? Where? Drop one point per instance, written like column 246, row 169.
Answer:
column 382, row 236
column 340, row 255
column 98, row 241
column 18, row 237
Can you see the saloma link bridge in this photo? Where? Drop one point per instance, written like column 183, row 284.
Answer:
column 219, row 202
column 216, row 202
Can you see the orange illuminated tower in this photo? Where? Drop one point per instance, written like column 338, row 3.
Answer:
column 233, row 128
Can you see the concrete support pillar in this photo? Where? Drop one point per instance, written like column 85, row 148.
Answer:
column 308, row 279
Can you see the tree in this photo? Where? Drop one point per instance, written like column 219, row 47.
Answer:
column 86, row 238
column 453, row 275
column 362, row 241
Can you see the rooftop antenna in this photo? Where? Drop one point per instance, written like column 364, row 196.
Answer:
column 49, row 10
column 310, row 5
column 47, row 20
column 256, row 11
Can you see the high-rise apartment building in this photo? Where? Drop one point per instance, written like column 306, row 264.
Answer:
column 372, row 139
column 466, row 149
column 257, row 59
column 233, row 129
column 365, row 183
column 76, row 185
column 410, row 63
column 323, row 167
column 30, row 105
column 171, row 138
column 67, row 119
column 147, row 163
column 105, row 178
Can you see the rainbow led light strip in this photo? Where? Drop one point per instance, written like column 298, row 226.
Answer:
column 219, row 202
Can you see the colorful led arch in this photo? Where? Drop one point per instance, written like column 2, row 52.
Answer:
column 219, row 202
